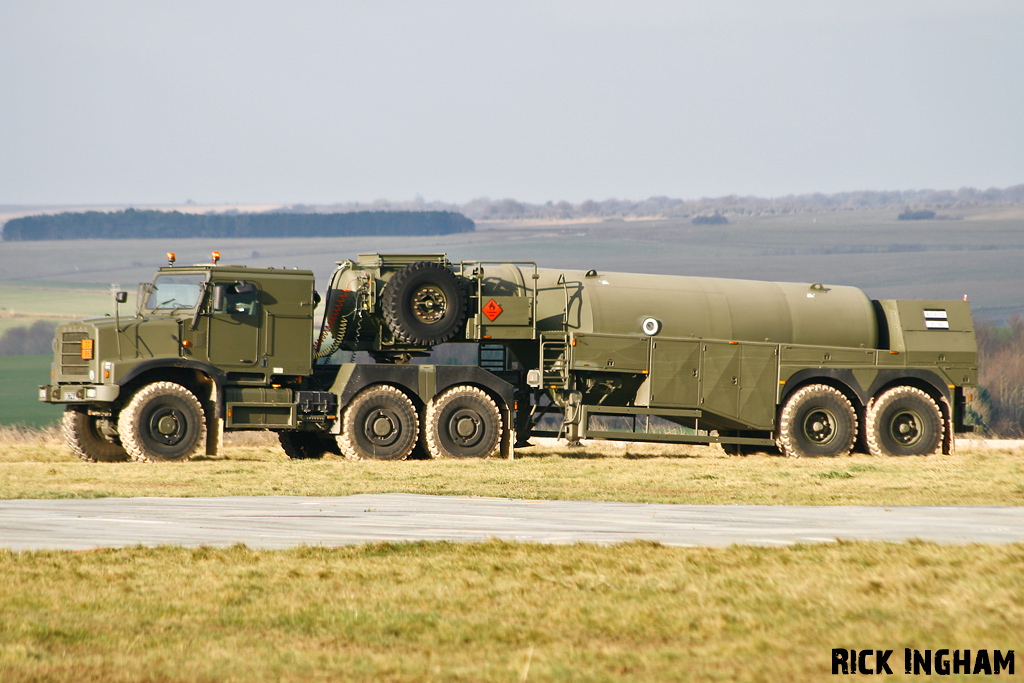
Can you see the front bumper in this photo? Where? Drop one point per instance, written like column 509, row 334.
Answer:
column 79, row 393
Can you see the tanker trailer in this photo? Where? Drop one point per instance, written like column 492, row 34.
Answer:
column 809, row 368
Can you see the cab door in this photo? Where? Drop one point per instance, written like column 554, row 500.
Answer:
column 234, row 336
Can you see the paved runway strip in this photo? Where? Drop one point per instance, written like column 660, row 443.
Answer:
column 283, row 522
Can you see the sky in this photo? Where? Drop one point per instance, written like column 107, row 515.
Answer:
column 222, row 101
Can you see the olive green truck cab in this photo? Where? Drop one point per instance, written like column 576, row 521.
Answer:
column 809, row 369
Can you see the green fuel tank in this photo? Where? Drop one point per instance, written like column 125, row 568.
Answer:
column 692, row 307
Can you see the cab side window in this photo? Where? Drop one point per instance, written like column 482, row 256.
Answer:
column 243, row 303
column 237, row 298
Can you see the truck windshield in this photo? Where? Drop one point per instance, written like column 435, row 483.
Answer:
column 175, row 291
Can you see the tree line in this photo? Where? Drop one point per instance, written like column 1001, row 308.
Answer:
column 485, row 208
column 163, row 224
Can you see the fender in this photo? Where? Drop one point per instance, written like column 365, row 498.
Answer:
column 422, row 381
column 883, row 377
column 185, row 364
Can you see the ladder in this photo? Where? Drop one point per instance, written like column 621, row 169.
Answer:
column 554, row 361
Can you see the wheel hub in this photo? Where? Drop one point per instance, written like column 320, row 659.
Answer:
column 819, row 427
column 465, row 427
column 905, row 428
column 167, row 425
column 429, row 304
column 382, row 427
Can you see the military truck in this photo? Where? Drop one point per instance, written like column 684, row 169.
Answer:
column 809, row 369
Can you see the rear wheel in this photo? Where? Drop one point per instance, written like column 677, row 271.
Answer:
column 817, row 420
column 904, row 421
column 380, row 423
column 164, row 421
column 463, row 422
column 91, row 438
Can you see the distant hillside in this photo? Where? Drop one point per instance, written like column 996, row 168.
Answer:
column 485, row 208
column 173, row 224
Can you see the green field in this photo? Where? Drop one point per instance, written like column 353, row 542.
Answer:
column 20, row 377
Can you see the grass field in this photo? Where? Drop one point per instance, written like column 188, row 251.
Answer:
column 500, row 611
column 32, row 466
column 496, row 611
column 20, row 377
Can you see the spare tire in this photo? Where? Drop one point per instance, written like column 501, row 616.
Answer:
column 424, row 304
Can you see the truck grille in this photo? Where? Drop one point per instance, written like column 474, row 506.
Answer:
column 71, row 362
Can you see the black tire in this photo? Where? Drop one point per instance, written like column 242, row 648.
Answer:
column 89, row 439
column 817, row 420
column 904, row 421
column 307, row 445
column 164, row 421
column 463, row 422
column 424, row 304
column 380, row 423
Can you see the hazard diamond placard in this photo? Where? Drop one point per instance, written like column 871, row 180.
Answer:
column 492, row 310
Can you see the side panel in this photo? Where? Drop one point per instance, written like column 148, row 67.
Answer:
column 720, row 384
column 611, row 353
column 675, row 373
column 759, row 377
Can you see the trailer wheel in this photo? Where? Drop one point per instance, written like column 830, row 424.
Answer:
column 307, row 445
column 817, row 420
column 380, row 423
column 463, row 422
column 90, row 439
column 423, row 304
column 904, row 421
column 163, row 421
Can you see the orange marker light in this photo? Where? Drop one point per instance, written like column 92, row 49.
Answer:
column 170, row 258
column 216, row 257
column 186, row 343
column 87, row 349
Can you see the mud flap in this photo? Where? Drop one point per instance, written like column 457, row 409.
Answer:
column 507, row 434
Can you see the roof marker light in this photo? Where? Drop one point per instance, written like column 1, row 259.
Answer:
column 170, row 258
column 216, row 257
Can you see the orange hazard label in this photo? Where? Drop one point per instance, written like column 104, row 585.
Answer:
column 492, row 310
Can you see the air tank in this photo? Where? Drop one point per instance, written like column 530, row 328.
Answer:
column 692, row 307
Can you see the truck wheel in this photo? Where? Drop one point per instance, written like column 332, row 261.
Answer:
column 89, row 440
column 463, row 422
column 380, row 423
column 306, row 445
column 423, row 304
column 817, row 420
column 163, row 421
column 904, row 421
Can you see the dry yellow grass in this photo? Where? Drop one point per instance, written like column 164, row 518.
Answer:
column 38, row 465
column 496, row 611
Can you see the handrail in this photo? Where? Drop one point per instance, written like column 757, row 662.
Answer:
column 477, row 273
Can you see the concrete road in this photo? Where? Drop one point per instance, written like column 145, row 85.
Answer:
column 283, row 522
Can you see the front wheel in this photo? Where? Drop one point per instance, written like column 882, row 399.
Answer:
column 904, row 421
column 164, row 421
column 91, row 438
column 463, row 422
column 817, row 420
